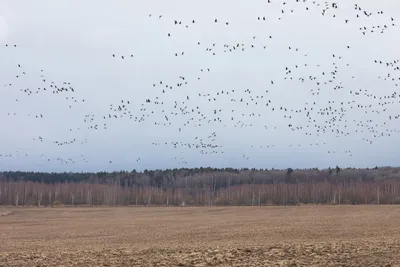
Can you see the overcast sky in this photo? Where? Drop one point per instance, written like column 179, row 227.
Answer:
column 308, row 60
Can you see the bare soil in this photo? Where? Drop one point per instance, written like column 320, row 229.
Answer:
column 193, row 236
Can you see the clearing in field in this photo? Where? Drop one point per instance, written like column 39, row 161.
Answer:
column 199, row 236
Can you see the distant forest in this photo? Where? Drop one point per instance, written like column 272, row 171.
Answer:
column 203, row 187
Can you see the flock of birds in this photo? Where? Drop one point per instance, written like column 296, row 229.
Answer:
column 174, row 104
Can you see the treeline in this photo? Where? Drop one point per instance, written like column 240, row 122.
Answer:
column 203, row 186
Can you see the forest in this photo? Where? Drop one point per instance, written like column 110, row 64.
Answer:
column 203, row 187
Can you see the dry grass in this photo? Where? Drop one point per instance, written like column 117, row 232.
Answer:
column 231, row 236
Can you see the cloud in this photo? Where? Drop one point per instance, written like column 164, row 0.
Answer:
column 251, row 124
column 7, row 18
column 3, row 28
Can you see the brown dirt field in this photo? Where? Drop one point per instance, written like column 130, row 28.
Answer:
column 214, row 236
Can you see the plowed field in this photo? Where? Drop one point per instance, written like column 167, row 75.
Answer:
column 214, row 236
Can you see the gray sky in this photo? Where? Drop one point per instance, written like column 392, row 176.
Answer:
column 303, row 52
